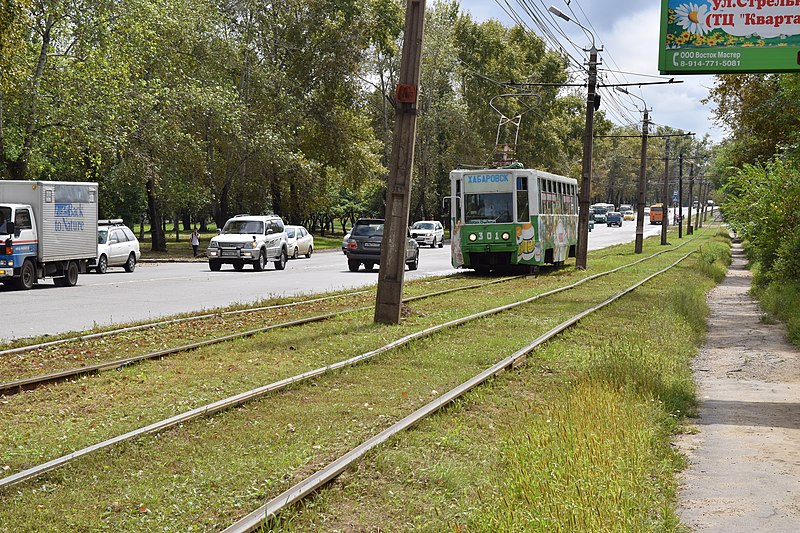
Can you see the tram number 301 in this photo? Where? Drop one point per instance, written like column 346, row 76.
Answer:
column 489, row 236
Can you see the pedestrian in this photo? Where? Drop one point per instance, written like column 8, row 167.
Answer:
column 195, row 241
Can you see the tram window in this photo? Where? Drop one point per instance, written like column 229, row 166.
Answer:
column 523, row 214
column 488, row 208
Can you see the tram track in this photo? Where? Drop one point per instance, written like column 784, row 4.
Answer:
column 30, row 383
column 260, row 392
column 322, row 477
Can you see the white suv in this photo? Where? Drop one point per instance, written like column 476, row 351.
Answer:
column 116, row 246
column 249, row 239
column 430, row 232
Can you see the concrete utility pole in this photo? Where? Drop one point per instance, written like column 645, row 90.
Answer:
column 398, row 198
column 586, row 173
column 584, row 195
column 665, row 207
column 680, row 196
column 699, row 204
column 642, row 195
column 689, row 227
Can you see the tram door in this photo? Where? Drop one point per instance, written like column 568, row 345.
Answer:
column 456, row 220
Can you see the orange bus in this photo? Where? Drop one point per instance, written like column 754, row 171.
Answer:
column 656, row 213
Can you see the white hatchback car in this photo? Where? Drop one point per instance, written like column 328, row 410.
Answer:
column 430, row 232
column 116, row 246
column 299, row 241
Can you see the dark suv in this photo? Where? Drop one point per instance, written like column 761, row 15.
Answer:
column 364, row 245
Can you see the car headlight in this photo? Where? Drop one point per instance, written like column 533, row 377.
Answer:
column 213, row 244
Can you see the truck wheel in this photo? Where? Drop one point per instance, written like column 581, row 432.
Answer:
column 27, row 276
column 102, row 265
column 70, row 279
column 238, row 266
column 130, row 264
column 214, row 265
column 280, row 264
column 261, row 262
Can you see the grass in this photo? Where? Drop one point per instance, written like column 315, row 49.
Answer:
column 462, row 469
column 781, row 300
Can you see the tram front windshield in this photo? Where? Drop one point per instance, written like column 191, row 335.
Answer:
column 488, row 208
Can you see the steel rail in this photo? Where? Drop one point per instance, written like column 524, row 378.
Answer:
column 180, row 320
column 242, row 398
column 299, row 491
column 16, row 386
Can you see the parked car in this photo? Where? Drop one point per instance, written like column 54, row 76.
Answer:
column 249, row 239
column 344, row 242
column 364, row 245
column 430, row 232
column 628, row 215
column 614, row 218
column 116, row 246
column 299, row 241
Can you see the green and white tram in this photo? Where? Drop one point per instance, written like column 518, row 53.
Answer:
column 504, row 217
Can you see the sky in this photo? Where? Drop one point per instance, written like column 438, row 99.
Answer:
column 628, row 31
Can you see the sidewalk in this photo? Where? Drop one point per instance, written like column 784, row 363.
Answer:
column 744, row 472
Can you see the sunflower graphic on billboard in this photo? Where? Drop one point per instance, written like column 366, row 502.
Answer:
column 719, row 36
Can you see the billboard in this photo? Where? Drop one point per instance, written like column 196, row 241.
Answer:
column 729, row 36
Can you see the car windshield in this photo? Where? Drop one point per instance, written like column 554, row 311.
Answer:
column 422, row 225
column 372, row 229
column 244, row 226
column 102, row 236
column 290, row 233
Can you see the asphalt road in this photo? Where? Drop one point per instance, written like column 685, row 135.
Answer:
column 153, row 291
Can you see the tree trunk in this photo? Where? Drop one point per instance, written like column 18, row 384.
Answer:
column 18, row 169
column 159, row 241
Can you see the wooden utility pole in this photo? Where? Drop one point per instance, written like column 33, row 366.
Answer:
column 642, row 195
column 665, row 205
column 398, row 195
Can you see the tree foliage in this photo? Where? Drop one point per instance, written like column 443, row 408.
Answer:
column 200, row 109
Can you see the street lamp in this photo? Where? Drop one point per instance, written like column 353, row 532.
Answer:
column 641, row 196
column 586, row 172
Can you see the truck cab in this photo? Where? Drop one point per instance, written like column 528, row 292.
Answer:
column 18, row 234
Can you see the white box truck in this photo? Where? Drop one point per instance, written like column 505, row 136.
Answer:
column 47, row 229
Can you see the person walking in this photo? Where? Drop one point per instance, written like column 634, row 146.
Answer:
column 195, row 241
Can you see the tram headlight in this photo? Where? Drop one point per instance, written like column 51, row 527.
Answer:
column 473, row 237
column 506, row 236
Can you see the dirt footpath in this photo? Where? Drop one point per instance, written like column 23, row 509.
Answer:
column 744, row 472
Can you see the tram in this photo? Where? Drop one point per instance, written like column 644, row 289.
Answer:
column 508, row 216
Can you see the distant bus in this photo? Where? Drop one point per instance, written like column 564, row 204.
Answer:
column 656, row 213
